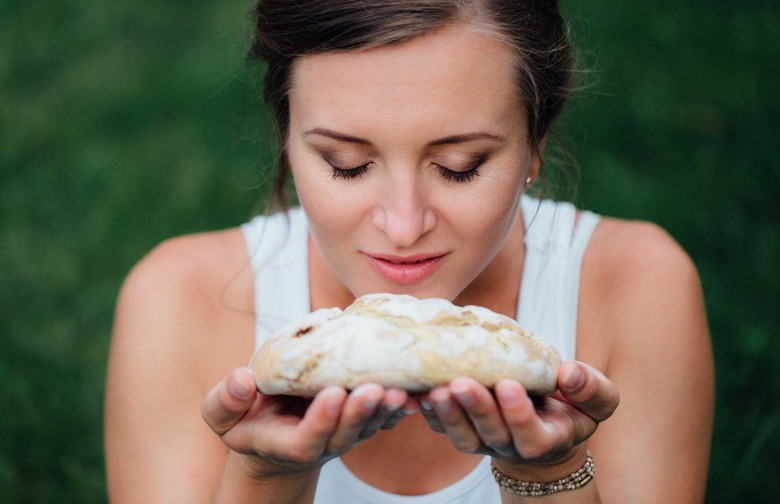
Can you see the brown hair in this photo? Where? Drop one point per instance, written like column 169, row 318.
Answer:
column 288, row 29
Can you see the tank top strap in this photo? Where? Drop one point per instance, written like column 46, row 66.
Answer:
column 278, row 252
column 549, row 290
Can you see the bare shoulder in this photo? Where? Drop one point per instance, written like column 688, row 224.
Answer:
column 183, row 321
column 192, row 261
column 642, row 321
column 637, row 280
column 623, row 252
column 189, row 291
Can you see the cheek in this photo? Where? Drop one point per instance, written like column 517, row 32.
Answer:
column 312, row 186
column 333, row 211
column 329, row 201
column 494, row 225
column 485, row 217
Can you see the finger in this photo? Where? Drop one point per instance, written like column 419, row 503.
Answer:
column 308, row 439
column 395, row 418
column 227, row 403
column 429, row 414
column 482, row 409
column 360, row 406
column 533, row 438
column 588, row 390
column 570, row 425
column 455, row 422
column 389, row 413
column 410, row 407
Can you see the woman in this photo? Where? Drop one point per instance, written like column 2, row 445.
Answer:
column 412, row 129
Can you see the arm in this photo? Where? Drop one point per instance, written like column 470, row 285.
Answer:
column 165, row 350
column 643, row 327
column 656, row 446
column 540, row 441
column 183, row 322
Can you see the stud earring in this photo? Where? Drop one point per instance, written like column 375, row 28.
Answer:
column 528, row 182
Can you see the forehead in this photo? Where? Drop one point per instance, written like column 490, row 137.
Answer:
column 455, row 78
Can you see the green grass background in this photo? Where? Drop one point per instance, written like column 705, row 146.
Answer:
column 124, row 123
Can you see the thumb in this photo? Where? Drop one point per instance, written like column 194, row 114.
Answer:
column 586, row 388
column 227, row 403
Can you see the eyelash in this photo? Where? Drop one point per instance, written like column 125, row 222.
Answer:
column 459, row 176
column 348, row 173
column 463, row 176
column 449, row 175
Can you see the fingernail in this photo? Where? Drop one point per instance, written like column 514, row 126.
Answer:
column 427, row 406
column 333, row 406
column 574, row 378
column 238, row 388
column 371, row 403
column 444, row 406
column 443, row 402
column 464, row 396
column 510, row 398
column 391, row 407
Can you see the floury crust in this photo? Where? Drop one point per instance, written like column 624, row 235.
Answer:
column 400, row 341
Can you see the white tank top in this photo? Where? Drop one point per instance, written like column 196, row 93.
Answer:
column 547, row 305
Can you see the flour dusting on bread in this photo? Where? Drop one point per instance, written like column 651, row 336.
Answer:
column 403, row 342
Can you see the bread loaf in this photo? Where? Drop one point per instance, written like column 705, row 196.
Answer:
column 403, row 342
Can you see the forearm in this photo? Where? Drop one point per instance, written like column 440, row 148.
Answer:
column 586, row 495
column 571, row 481
column 239, row 485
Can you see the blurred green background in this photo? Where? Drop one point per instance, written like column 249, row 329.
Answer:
column 124, row 123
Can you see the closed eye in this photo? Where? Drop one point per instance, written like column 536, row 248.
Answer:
column 466, row 175
column 460, row 176
column 354, row 172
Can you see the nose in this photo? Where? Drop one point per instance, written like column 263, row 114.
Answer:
column 404, row 213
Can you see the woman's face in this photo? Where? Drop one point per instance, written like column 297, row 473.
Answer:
column 408, row 160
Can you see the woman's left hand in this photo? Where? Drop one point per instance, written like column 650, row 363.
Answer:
column 512, row 428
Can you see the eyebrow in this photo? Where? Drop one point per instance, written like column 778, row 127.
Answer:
column 454, row 139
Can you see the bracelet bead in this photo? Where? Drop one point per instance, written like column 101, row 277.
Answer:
column 577, row 479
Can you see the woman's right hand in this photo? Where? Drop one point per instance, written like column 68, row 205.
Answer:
column 283, row 435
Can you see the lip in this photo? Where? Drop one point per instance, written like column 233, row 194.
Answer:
column 405, row 270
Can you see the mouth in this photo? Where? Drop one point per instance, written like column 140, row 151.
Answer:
column 405, row 270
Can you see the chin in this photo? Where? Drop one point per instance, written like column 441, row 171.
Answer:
column 421, row 291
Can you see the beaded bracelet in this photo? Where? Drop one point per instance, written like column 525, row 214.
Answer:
column 577, row 479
